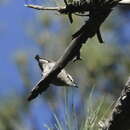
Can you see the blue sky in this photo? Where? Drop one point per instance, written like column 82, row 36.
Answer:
column 13, row 38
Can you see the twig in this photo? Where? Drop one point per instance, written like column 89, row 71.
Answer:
column 119, row 119
column 72, row 51
column 38, row 7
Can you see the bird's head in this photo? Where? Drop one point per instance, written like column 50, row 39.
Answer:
column 41, row 60
column 37, row 57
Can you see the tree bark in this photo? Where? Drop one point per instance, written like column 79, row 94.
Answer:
column 119, row 119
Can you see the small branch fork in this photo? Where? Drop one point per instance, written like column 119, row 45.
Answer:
column 119, row 119
column 98, row 10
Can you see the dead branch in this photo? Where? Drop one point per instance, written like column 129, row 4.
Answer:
column 119, row 119
column 38, row 7
column 70, row 53
column 98, row 13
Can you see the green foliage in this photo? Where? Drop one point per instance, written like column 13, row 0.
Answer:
column 94, row 111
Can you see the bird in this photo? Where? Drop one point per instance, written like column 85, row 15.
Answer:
column 62, row 79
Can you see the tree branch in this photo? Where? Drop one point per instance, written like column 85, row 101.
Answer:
column 69, row 55
column 119, row 119
column 38, row 7
column 98, row 13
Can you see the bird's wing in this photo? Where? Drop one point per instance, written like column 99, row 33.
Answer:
column 38, row 89
column 65, row 73
column 47, row 68
column 66, row 78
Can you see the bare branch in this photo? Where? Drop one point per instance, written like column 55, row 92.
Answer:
column 38, row 7
column 88, row 30
column 72, row 51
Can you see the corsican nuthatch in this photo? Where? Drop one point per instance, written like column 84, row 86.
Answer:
column 62, row 79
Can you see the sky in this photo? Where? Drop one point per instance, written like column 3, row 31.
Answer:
column 13, row 38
